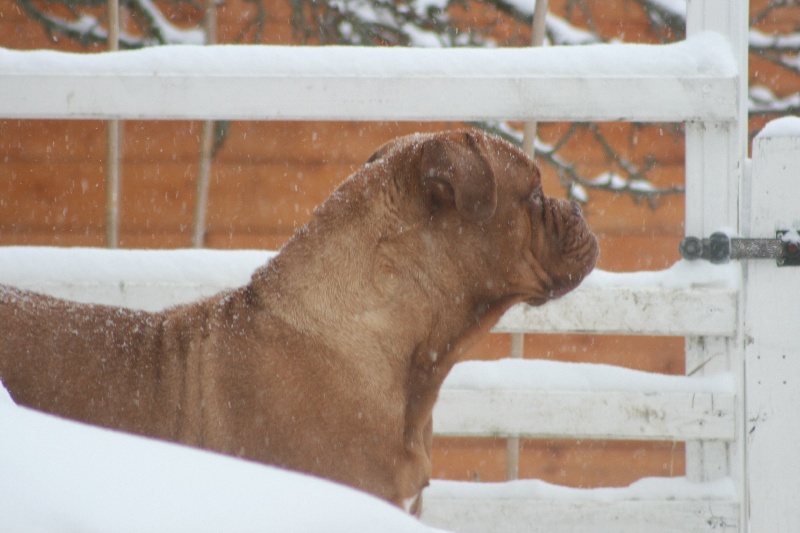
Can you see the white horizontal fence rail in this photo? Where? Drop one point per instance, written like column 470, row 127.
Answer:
column 687, row 299
column 609, row 414
column 591, row 309
column 687, row 81
column 496, row 510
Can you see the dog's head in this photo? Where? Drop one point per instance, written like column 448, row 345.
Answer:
column 478, row 204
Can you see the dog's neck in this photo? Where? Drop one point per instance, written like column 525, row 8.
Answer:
column 357, row 306
column 343, row 237
column 403, row 315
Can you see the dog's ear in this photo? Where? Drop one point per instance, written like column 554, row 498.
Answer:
column 454, row 168
column 380, row 152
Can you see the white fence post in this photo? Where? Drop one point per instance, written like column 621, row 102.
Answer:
column 715, row 155
column 772, row 357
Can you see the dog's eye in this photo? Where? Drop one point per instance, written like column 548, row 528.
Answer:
column 536, row 196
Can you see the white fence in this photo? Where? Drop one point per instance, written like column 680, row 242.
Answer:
column 739, row 426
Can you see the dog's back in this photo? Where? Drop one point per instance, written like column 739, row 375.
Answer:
column 65, row 358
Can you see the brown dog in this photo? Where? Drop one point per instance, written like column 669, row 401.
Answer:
column 330, row 360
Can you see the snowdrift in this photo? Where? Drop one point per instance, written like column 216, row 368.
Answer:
column 58, row 475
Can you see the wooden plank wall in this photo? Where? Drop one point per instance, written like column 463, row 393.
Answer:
column 268, row 176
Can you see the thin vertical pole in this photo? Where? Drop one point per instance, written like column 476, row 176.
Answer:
column 203, row 180
column 512, row 443
column 528, row 143
column 112, row 143
column 206, row 147
column 113, row 25
column 537, row 38
column 112, row 183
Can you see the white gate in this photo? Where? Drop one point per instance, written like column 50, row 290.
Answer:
column 739, row 426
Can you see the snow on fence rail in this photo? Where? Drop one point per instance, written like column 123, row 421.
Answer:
column 691, row 80
column 687, row 299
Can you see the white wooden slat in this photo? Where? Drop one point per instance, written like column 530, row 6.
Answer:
column 550, row 399
column 708, row 460
column 150, row 296
column 631, row 309
column 686, row 81
column 261, row 96
column 678, row 416
column 148, row 280
column 601, row 310
column 651, row 505
column 556, row 516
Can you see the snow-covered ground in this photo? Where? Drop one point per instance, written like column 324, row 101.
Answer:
column 57, row 475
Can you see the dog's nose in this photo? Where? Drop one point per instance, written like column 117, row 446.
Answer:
column 576, row 208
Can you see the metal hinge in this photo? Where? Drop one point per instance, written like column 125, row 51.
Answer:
column 719, row 248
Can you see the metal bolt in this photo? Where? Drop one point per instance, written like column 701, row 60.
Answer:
column 691, row 248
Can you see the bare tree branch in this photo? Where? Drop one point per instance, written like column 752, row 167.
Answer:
column 764, row 102
column 86, row 29
column 632, row 182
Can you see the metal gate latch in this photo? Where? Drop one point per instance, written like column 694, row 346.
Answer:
column 719, row 248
